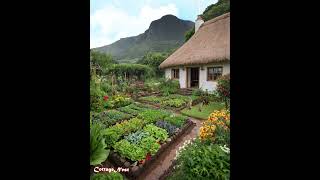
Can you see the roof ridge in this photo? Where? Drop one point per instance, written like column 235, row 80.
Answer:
column 223, row 16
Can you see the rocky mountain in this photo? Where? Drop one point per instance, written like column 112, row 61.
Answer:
column 162, row 35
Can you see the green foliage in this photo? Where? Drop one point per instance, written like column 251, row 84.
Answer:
column 98, row 151
column 171, row 129
column 110, row 117
column 169, row 86
column 206, row 110
column 223, row 89
column 177, row 120
column 189, row 34
column 156, row 132
column 202, row 161
column 136, row 137
column 212, row 11
column 222, row 135
column 154, row 99
column 130, row 71
column 107, row 176
column 197, row 92
column 154, row 59
column 149, row 144
column 215, row 10
column 128, row 150
column 96, row 96
column 174, row 103
column 151, row 85
column 100, row 61
column 137, row 152
column 151, row 115
column 118, row 101
column 114, row 133
column 106, row 87
column 172, row 100
column 139, row 107
column 129, row 110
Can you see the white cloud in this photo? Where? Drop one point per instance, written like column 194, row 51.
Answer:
column 109, row 24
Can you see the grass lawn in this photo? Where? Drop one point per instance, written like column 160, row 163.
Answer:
column 206, row 110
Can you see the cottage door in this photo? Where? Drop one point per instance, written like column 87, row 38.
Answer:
column 195, row 77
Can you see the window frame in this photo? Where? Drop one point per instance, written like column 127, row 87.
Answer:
column 213, row 75
column 175, row 71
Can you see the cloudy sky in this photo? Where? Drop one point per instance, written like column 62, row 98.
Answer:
column 111, row 20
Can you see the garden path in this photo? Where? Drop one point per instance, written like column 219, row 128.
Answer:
column 164, row 161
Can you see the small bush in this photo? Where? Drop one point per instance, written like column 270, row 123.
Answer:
column 169, row 86
column 199, row 160
column 223, row 89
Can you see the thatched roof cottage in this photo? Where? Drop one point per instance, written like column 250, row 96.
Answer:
column 204, row 57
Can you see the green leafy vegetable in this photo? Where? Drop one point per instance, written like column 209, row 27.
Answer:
column 98, row 151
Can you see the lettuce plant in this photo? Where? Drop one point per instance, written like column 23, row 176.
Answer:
column 156, row 132
column 98, row 151
column 130, row 151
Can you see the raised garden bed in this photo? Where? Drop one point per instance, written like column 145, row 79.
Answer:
column 174, row 102
column 136, row 170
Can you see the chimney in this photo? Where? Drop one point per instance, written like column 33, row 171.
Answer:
column 198, row 23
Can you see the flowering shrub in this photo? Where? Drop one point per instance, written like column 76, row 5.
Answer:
column 223, row 88
column 217, row 118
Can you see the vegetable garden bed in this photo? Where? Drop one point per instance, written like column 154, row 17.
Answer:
column 173, row 101
column 137, row 133
column 136, row 169
column 113, row 116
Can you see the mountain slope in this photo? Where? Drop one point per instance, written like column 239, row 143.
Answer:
column 163, row 34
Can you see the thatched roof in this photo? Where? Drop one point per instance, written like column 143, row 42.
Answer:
column 211, row 43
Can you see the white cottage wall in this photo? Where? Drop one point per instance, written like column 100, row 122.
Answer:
column 203, row 83
column 183, row 77
column 167, row 73
column 211, row 85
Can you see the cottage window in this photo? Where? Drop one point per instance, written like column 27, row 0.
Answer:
column 175, row 73
column 214, row 73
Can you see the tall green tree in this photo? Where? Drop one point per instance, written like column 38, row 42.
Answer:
column 100, row 61
column 154, row 59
